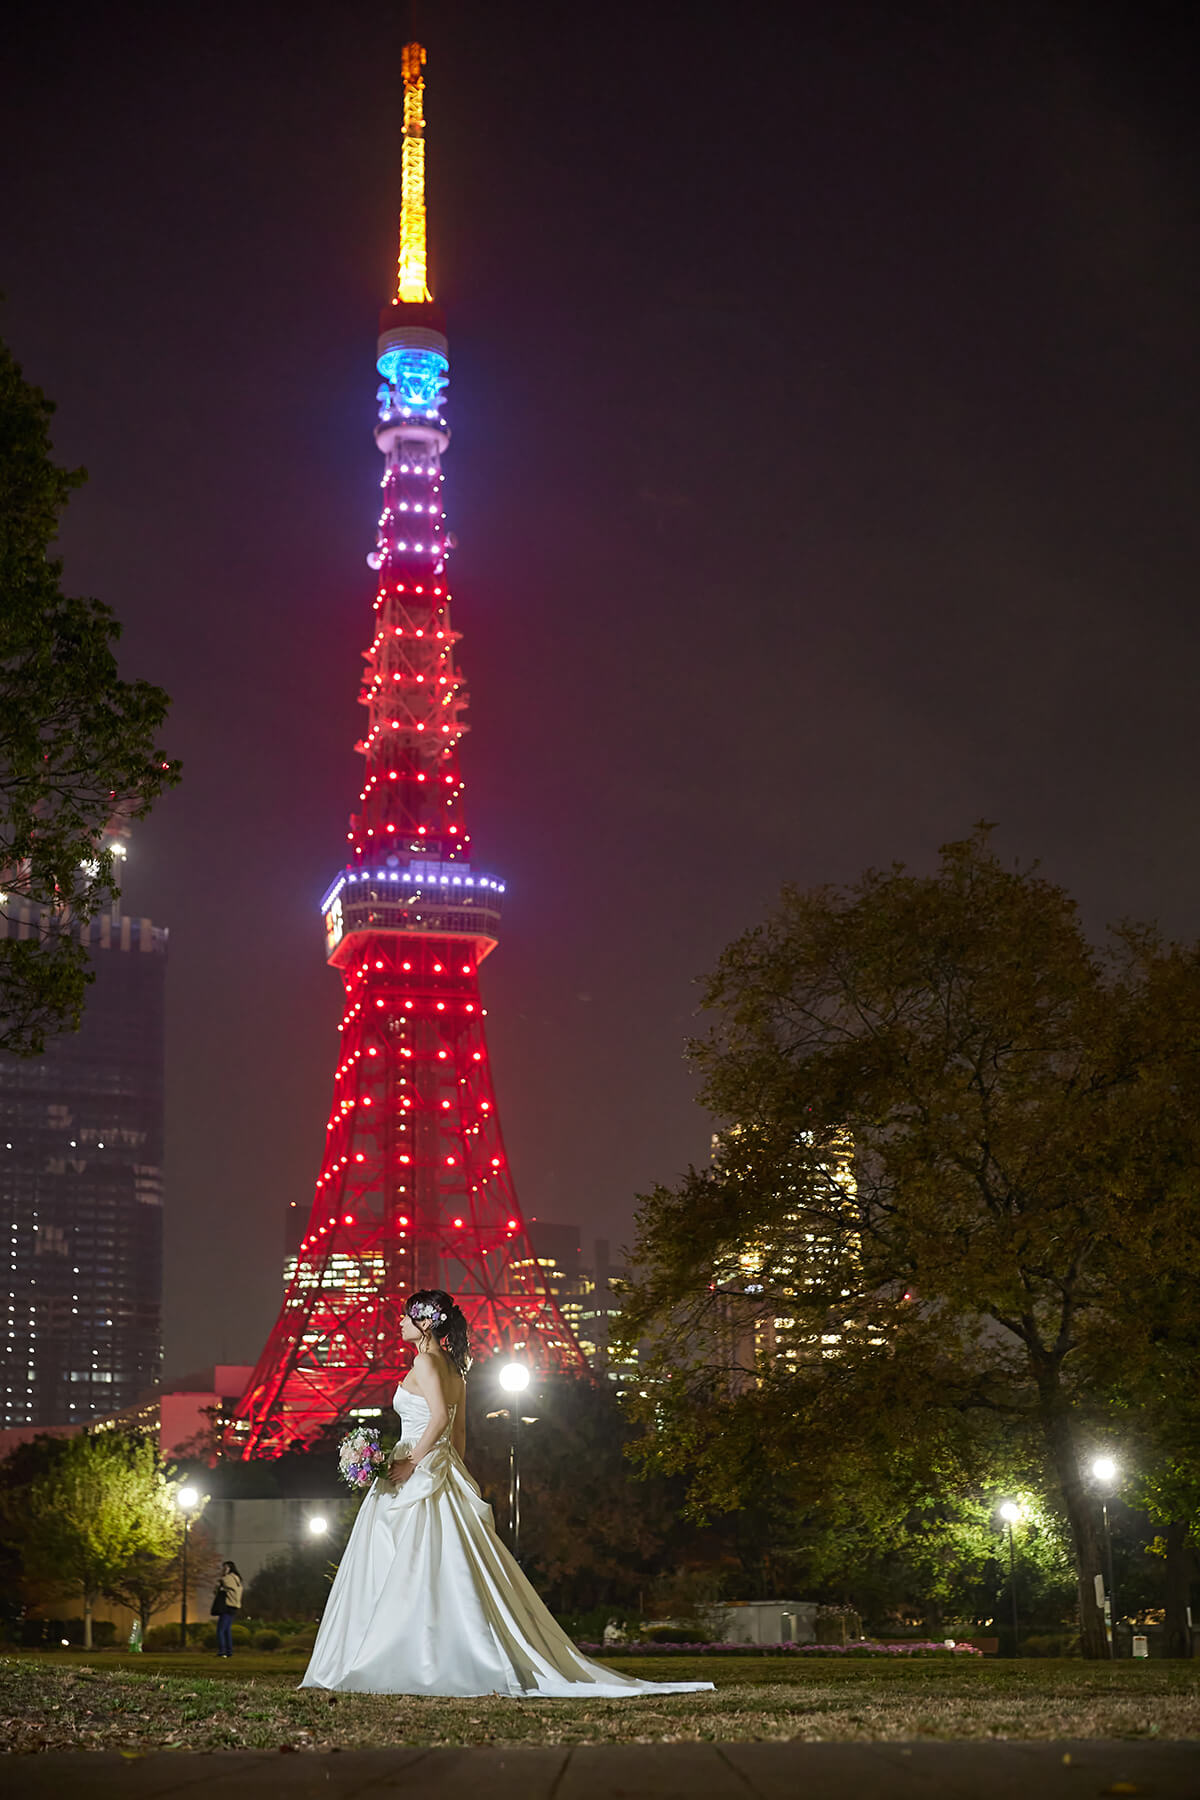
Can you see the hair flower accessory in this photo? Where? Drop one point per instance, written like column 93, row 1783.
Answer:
column 426, row 1313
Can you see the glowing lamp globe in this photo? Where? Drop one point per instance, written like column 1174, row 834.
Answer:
column 317, row 1525
column 1010, row 1512
column 186, row 1498
column 514, row 1377
column 1104, row 1468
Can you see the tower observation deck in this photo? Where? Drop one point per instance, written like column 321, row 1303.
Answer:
column 414, row 1189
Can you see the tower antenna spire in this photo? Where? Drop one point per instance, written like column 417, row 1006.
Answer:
column 411, row 269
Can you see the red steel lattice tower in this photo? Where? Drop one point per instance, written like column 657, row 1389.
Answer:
column 414, row 1189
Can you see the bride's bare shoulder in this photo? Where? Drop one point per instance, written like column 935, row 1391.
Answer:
column 424, row 1372
column 433, row 1373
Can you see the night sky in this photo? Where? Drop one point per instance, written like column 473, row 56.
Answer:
column 824, row 387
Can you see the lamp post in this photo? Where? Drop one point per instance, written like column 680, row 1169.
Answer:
column 514, row 1379
column 186, row 1499
column 1010, row 1512
column 1104, row 1471
column 318, row 1525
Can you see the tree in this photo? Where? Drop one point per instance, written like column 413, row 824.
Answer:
column 148, row 1581
column 295, row 1583
column 76, row 742
column 943, row 1562
column 94, row 1507
column 1157, row 1408
column 1150, row 1382
column 590, row 1536
column 595, row 1539
column 952, row 1127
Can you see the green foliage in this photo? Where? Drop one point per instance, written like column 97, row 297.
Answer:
column 294, row 1583
column 76, row 742
column 89, row 1510
column 960, row 1146
column 1051, row 1643
column 592, row 1536
column 587, row 1627
column 201, row 1634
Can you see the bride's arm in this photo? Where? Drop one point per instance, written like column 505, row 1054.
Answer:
column 426, row 1382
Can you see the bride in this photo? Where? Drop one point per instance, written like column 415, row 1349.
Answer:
column 427, row 1600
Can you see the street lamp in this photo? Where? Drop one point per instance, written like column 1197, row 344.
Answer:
column 1011, row 1513
column 317, row 1525
column 1104, row 1471
column 186, row 1499
column 514, row 1379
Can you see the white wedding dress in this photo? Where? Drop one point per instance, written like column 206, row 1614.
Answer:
column 427, row 1600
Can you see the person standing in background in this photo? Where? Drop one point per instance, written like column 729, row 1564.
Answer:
column 227, row 1600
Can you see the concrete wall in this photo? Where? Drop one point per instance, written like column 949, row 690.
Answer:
column 250, row 1532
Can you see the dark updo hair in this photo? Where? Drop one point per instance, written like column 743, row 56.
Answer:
column 450, row 1330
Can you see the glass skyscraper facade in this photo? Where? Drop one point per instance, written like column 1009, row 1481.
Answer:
column 81, row 1191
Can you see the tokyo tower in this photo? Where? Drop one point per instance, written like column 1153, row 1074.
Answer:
column 414, row 1189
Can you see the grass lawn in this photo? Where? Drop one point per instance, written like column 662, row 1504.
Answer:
column 113, row 1701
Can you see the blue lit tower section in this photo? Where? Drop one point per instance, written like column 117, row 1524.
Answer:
column 414, row 1189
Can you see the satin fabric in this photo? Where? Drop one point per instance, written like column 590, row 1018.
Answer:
column 427, row 1600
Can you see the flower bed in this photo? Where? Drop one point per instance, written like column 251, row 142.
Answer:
column 862, row 1647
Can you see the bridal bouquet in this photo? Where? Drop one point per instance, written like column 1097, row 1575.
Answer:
column 361, row 1456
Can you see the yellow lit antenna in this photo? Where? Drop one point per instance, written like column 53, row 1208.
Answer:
column 410, row 270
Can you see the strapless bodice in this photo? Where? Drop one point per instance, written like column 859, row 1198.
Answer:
column 413, row 1408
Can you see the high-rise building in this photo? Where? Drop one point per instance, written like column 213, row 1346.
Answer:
column 414, row 1189
column 599, row 1309
column 793, row 1296
column 587, row 1292
column 554, row 1259
column 81, row 1188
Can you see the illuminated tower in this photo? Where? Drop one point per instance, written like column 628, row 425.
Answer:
column 414, row 1189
